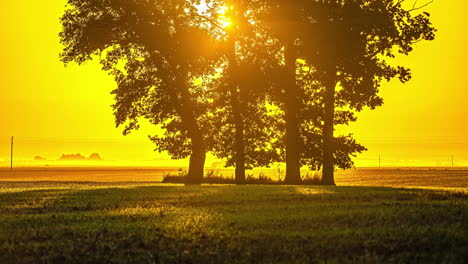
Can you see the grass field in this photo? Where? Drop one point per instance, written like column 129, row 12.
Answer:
column 129, row 222
column 391, row 177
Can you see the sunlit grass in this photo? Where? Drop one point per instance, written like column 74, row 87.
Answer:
column 313, row 190
column 146, row 223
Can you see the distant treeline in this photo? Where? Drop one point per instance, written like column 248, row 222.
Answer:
column 78, row 156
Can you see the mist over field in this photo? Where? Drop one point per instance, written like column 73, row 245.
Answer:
column 393, row 177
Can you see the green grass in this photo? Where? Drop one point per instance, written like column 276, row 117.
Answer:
column 152, row 223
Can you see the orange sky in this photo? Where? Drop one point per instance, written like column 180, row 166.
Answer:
column 52, row 110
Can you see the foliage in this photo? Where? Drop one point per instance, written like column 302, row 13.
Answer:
column 346, row 45
column 312, row 115
column 364, row 36
column 146, row 46
column 175, row 65
column 312, row 178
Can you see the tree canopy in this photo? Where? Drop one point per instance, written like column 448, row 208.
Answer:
column 254, row 82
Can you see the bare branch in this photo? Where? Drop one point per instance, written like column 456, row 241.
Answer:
column 419, row 7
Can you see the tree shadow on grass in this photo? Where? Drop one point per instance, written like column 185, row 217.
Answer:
column 234, row 224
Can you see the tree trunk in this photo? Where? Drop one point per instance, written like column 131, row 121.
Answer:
column 328, row 177
column 239, row 147
column 293, row 174
column 198, row 149
column 183, row 104
column 197, row 159
column 239, row 142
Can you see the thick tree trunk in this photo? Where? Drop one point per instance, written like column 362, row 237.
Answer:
column 197, row 159
column 239, row 147
column 198, row 149
column 239, row 142
column 293, row 174
column 328, row 177
column 182, row 99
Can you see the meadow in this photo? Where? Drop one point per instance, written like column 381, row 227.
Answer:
column 89, row 221
column 391, row 177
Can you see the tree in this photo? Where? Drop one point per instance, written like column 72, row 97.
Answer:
column 238, row 123
column 348, row 45
column 148, row 47
column 245, row 132
column 288, row 22
column 283, row 21
column 311, row 115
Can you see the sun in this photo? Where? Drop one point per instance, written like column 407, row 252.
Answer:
column 223, row 16
column 226, row 24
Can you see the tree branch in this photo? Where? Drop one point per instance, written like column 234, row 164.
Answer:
column 419, row 7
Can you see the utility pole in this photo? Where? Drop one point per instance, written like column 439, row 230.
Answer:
column 379, row 161
column 11, row 157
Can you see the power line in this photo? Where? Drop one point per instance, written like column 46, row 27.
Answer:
column 80, row 140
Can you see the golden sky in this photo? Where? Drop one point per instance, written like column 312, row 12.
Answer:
column 52, row 110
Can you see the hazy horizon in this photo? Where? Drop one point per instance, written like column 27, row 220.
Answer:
column 394, row 152
column 61, row 109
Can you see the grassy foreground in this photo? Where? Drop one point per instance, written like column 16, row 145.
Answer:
column 151, row 223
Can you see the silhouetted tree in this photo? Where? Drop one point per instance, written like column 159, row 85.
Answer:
column 154, row 49
column 283, row 20
column 311, row 115
column 258, row 134
column 158, row 51
column 242, row 129
column 348, row 44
